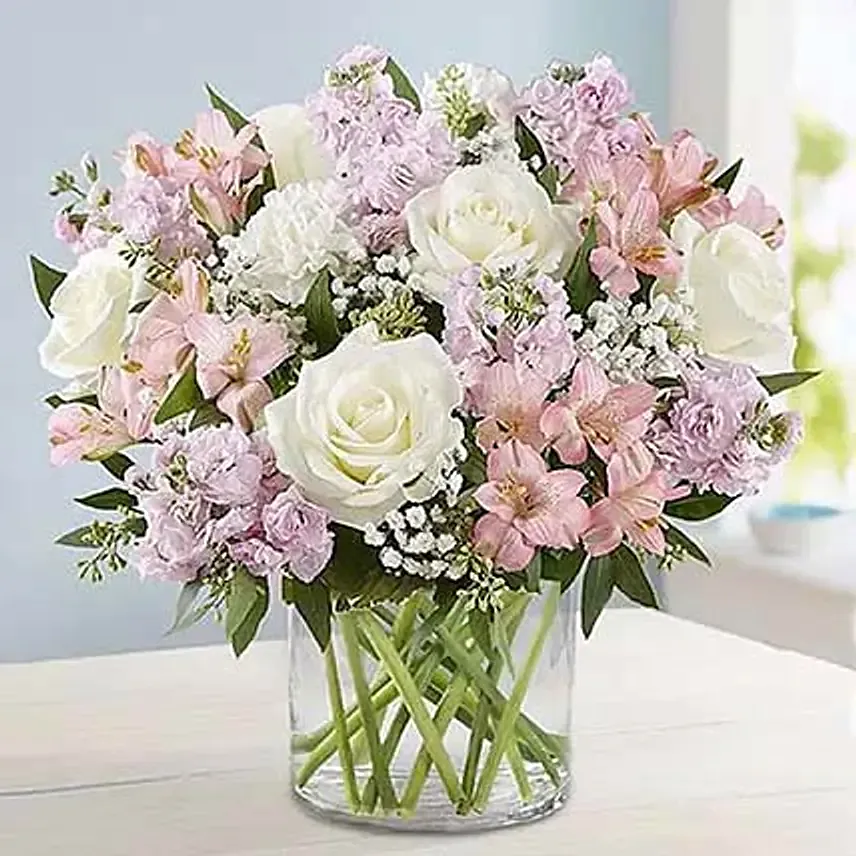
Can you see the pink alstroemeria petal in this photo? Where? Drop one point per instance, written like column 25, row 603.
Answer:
column 500, row 541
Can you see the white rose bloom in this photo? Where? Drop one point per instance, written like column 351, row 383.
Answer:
column 91, row 314
column 367, row 426
column 488, row 214
column 296, row 234
column 740, row 294
column 288, row 137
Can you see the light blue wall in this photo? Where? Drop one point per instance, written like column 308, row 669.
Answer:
column 82, row 75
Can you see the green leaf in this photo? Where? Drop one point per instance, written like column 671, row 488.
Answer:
column 57, row 400
column 528, row 144
column 249, row 627
column 184, row 396
column 234, row 117
column 598, row 582
column 117, row 465
column 244, row 591
column 320, row 318
column 185, row 614
column 76, row 538
column 478, row 624
column 46, row 280
column 500, row 642
column 564, row 567
column 548, row 178
column 630, row 577
column 474, row 468
column 683, row 542
column 582, row 285
column 533, row 573
column 207, row 414
column 401, row 84
column 725, row 180
column 108, row 500
column 776, row 383
column 697, row 506
column 312, row 601
column 474, row 125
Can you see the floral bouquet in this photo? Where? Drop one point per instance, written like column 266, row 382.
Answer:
column 416, row 363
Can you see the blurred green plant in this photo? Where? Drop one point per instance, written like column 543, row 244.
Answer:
column 830, row 442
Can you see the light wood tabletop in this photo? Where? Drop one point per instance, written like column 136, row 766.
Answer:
column 687, row 741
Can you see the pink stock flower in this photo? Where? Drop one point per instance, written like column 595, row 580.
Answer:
column 680, row 169
column 232, row 359
column 633, row 506
column 160, row 345
column 300, row 531
column 528, row 506
column 635, row 243
column 512, row 399
column 753, row 213
column 608, row 416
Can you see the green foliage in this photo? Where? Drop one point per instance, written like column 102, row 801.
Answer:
column 777, row 383
column 725, row 181
column 117, row 465
column 697, row 506
column 312, row 601
column 234, row 117
column 184, row 396
column 528, row 144
column 582, row 285
column 110, row 499
column 563, row 567
column 46, row 280
column 320, row 318
column 683, row 545
column 246, row 605
column 108, row 539
column 401, row 84
column 548, row 178
column 823, row 149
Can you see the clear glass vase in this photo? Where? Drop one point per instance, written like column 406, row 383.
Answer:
column 419, row 717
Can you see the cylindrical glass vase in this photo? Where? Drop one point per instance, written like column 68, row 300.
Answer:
column 427, row 717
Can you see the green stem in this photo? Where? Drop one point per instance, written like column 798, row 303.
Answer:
column 518, row 770
column 443, row 717
column 413, row 699
column 352, row 794
column 380, row 770
column 505, row 728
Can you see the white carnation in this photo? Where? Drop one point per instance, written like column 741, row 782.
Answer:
column 297, row 233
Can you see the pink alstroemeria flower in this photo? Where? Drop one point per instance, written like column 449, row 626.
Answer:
column 680, row 169
column 598, row 178
column 753, row 213
column 126, row 408
column 511, row 397
column 635, row 243
column 232, row 359
column 609, row 416
column 160, row 345
column 633, row 507
column 528, row 506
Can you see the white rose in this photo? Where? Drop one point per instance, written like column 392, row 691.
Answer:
column 740, row 293
column 296, row 234
column 288, row 137
column 487, row 214
column 366, row 426
column 91, row 314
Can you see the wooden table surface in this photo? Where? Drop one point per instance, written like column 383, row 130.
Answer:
column 687, row 741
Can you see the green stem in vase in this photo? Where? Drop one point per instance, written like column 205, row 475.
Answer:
column 413, row 699
column 518, row 770
column 505, row 728
column 380, row 770
column 346, row 758
column 442, row 720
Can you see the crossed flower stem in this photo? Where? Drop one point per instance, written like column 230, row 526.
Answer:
column 427, row 655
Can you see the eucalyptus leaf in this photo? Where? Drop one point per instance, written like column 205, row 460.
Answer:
column 630, row 577
column 320, row 317
column 77, row 538
column 598, row 582
column 185, row 614
column 726, row 179
column 184, row 396
column 57, row 400
column 776, row 383
column 234, row 117
column 401, row 84
column 108, row 500
column 46, row 280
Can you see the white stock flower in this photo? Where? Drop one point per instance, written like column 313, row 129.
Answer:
column 367, row 426
column 474, row 88
column 740, row 294
column 288, row 137
column 296, row 234
column 488, row 214
column 91, row 314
